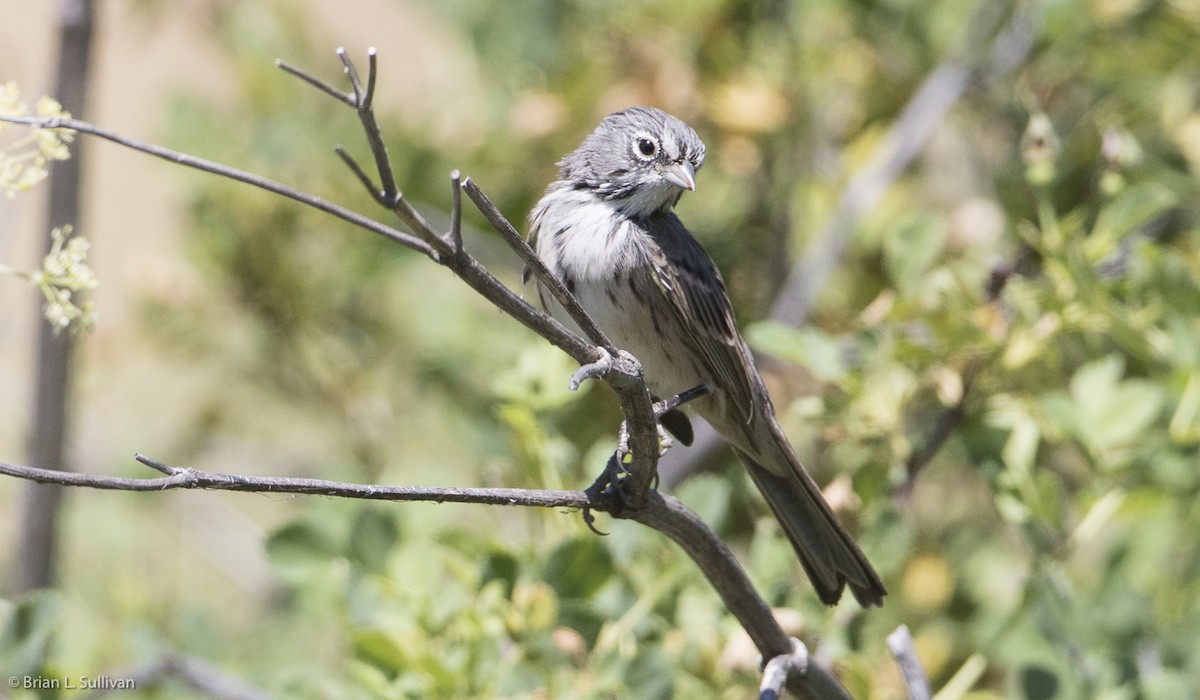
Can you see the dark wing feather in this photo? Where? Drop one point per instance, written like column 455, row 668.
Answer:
column 696, row 295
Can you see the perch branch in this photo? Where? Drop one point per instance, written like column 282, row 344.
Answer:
column 666, row 514
column 900, row 643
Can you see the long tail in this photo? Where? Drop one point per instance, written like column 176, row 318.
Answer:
column 829, row 555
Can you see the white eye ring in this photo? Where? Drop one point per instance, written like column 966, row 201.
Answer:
column 647, row 147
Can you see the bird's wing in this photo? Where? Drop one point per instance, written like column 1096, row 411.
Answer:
column 696, row 294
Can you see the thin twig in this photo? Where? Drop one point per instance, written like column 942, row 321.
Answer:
column 535, row 264
column 372, row 70
column 779, row 669
column 947, row 421
column 351, row 73
column 680, row 399
column 316, row 82
column 671, row 517
column 900, row 643
column 186, row 478
column 456, row 211
column 363, row 178
column 190, row 161
column 363, row 98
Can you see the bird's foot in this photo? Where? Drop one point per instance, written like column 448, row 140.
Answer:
column 665, row 443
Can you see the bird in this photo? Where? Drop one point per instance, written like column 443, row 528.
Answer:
column 607, row 229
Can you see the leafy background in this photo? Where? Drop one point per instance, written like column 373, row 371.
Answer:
column 1030, row 284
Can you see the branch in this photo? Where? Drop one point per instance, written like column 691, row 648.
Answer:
column 781, row 669
column 208, row 166
column 671, row 517
column 194, row 672
column 621, row 371
column 900, row 642
column 187, row 478
column 535, row 264
column 665, row 514
column 948, row 420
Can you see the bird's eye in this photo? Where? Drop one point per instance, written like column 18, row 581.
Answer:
column 647, row 147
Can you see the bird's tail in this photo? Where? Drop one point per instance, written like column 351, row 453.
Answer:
column 829, row 555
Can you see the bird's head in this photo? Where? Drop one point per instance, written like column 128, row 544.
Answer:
column 641, row 159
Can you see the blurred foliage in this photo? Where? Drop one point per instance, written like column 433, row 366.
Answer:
column 1005, row 365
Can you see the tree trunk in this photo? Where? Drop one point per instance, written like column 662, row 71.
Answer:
column 38, row 558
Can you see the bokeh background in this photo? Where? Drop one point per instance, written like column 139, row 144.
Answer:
column 999, row 377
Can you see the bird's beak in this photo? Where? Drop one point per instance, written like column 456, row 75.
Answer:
column 681, row 174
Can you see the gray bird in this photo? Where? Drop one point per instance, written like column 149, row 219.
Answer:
column 606, row 229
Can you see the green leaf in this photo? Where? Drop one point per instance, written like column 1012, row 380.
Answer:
column 819, row 352
column 1111, row 413
column 500, row 566
column 298, row 548
column 26, row 633
column 1039, row 683
column 649, row 675
column 1132, row 209
column 378, row 649
column 537, row 380
column 708, row 495
column 372, row 538
column 910, row 248
column 578, row 568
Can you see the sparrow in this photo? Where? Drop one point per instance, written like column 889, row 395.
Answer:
column 606, row 228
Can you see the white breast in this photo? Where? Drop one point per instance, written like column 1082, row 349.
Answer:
column 585, row 242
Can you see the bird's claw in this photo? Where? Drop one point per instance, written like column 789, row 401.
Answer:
column 606, row 491
column 591, row 370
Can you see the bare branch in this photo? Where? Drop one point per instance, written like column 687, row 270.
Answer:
column 900, row 643
column 784, row 671
column 208, row 166
column 535, row 264
column 361, row 174
column 351, row 73
column 456, row 211
column 316, row 82
column 192, row 671
column 363, row 100
column 372, row 71
column 671, row 517
column 663, row 513
column 186, row 478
